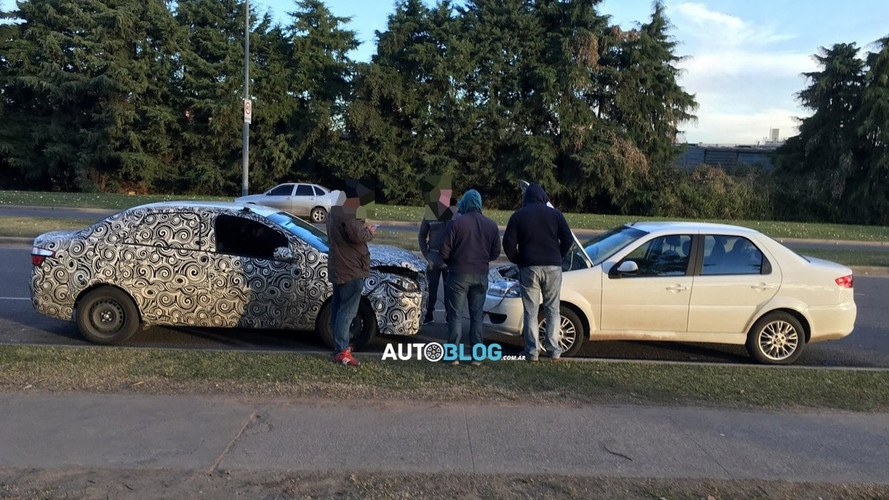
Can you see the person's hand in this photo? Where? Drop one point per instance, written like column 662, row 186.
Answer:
column 372, row 227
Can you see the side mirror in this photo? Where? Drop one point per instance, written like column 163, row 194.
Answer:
column 625, row 267
column 284, row 254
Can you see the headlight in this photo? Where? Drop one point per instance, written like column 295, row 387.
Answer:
column 505, row 289
column 405, row 284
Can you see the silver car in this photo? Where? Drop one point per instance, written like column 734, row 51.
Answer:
column 305, row 200
column 213, row 265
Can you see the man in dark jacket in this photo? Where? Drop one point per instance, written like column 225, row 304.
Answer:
column 537, row 238
column 473, row 240
column 433, row 229
column 348, row 265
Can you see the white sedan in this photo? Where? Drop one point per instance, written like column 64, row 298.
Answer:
column 305, row 200
column 690, row 282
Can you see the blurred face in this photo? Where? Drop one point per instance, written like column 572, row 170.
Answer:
column 438, row 197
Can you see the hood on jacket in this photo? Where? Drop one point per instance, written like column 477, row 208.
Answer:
column 470, row 201
column 535, row 194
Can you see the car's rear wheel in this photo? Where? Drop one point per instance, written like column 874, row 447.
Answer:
column 318, row 215
column 572, row 332
column 107, row 316
column 777, row 338
column 362, row 330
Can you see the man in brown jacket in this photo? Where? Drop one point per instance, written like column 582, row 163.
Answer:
column 348, row 265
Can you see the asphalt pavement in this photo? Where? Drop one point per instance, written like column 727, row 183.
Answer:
column 215, row 434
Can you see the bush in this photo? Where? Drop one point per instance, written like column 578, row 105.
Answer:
column 710, row 193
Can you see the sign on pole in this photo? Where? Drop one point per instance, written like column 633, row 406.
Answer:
column 247, row 110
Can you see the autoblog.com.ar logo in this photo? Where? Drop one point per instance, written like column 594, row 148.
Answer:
column 435, row 352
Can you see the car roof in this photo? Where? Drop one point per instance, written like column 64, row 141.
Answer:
column 217, row 205
column 690, row 226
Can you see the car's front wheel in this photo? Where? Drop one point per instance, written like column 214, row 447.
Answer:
column 777, row 338
column 571, row 329
column 362, row 330
column 318, row 215
column 107, row 316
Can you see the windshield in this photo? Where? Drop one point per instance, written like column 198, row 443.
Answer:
column 302, row 229
column 610, row 242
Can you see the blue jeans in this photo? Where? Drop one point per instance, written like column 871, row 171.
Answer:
column 545, row 280
column 343, row 309
column 461, row 288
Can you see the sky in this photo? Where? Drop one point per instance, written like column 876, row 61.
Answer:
column 744, row 58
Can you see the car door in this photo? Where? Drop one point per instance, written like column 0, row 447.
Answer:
column 280, row 197
column 303, row 200
column 656, row 297
column 249, row 286
column 736, row 278
column 164, row 266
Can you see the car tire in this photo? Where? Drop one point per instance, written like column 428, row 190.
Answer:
column 318, row 215
column 363, row 328
column 573, row 332
column 778, row 338
column 107, row 316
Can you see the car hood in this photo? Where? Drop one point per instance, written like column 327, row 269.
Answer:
column 389, row 256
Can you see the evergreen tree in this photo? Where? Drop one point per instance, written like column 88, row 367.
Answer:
column 212, row 93
column 86, row 90
column 869, row 197
column 816, row 165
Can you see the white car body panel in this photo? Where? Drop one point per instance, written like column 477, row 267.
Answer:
column 711, row 308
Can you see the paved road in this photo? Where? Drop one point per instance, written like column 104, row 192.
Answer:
column 868, row 346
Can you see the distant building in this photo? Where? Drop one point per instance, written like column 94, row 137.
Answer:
column 730, row 157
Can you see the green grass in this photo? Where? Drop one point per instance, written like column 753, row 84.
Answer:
column 30, row 227
column 93, row 200
column 774, row 229
column 106, row 369
column 871, row 258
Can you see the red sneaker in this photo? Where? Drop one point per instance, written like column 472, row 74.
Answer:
column 346, row 358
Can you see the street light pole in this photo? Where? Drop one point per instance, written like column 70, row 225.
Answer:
column 247, row 105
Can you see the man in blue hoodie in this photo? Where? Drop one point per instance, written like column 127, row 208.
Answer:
column 472, row 241
column 537, row 238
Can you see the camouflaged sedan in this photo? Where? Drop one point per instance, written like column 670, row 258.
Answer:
column 213, row 265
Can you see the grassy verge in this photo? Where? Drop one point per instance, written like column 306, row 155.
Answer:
column 775, row 229
column 306, row 375
column 32, row 226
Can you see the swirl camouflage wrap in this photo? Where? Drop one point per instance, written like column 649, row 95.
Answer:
column 217, row 265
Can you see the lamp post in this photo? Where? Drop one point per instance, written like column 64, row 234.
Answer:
column 248, row 112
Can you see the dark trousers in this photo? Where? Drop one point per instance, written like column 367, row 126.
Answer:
column 436, row 275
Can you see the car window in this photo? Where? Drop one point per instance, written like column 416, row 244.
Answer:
column 301, row 229
column 610, row 242
column 177, row 230
column 318, row 191
column 246, row 237
column 732, row 255
column 282, row 190
column 663, row 256
column 304, row 190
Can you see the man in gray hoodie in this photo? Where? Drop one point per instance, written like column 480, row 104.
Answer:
column 536, row 239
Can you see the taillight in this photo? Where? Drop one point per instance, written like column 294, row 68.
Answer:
column 844, row 281
column 38, row 255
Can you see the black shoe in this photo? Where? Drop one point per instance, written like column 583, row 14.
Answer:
column 428, row 319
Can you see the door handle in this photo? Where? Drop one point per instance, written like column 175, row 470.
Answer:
column 677, row 288
column 762, row 286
